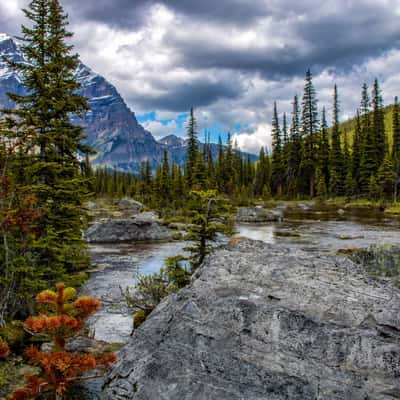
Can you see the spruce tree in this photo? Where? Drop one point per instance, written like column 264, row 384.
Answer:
column 294, row 152
column 192, row 150
column 378, row 124
column 356, row 151
column 262, row 174
column 227, row 167
column 386, row 176
column 324, row 151
column 368, row 165
column 374, row 189
column 349, row 183
column 321, row 183
column 336, row 155
column 165, row 184
column 199, row 173
column 178, row 184
column 277, row 159
column 54, row 171
column 310, row 128
column 285, row 153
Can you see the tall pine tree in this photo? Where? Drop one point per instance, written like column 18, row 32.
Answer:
column 324, row 150
column 310, row 128
column 378, row 124
column 54, row 171
column 192, row 150
column 337, row 172
column 356, row 151
column 294, row 152
column 368, row 166
column 277, row 156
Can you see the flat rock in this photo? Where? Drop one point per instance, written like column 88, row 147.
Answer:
column 130, row 204
column 142, row 227
column 266, row 322
column 258, row 214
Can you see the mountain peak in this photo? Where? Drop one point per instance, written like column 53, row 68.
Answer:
column 171, row 140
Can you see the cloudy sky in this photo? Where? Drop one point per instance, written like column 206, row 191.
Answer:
column 231, row 59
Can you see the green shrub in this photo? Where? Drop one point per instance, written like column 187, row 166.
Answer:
column 13, row 333
column 138, row 318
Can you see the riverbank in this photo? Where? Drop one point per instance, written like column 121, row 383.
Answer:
column 388, row 208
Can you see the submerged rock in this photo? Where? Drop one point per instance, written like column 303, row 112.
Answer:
column 142, row 227
column 267, row 322
column 258, row 214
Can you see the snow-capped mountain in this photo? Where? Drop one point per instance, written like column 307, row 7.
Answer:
column 110, row 126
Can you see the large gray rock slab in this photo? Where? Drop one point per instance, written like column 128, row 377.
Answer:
column 142, row 227
column 258, row 214
column 266, row 322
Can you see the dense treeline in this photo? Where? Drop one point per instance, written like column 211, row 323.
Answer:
column 313, row 160
column 169, row 186
column 308, row 159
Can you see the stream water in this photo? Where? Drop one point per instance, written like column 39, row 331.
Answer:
column 117, row 265
column 116, row 269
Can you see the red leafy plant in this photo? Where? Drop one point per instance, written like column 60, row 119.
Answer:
column 4, row 349
column 62, row 316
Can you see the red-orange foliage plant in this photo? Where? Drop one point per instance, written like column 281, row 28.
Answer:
column 4, row 349
column 62, row 316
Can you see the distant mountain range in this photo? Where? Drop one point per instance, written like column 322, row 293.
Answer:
column 111, row 127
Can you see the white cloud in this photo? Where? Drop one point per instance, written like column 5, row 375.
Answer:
column 251, row 142
column 159, row 130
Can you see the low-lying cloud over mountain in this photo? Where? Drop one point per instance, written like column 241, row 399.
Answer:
column 230, row 59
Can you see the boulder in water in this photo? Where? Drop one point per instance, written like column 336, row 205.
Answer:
column 258, row 215
column 142, row 227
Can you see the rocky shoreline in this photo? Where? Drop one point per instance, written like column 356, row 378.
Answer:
column 267, row 322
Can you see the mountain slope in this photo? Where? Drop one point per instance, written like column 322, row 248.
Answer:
column 349, row 126
column 112, row 128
